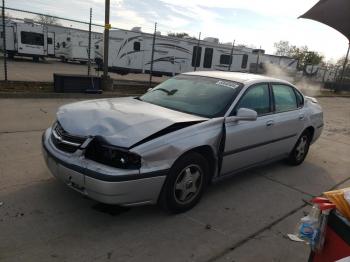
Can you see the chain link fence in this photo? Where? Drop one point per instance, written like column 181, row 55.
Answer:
column 37, row 46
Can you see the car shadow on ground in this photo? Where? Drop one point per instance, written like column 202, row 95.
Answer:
column 52, row 196
column 49, row 213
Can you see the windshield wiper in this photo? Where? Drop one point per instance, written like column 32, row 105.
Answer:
column 169, row 93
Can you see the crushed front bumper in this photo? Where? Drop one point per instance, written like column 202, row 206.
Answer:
column 114, row 186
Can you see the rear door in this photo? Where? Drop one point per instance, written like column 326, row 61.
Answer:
column 289, row 118
column 249, row 142
column 51, row 43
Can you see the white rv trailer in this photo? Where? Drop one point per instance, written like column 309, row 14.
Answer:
column 74, row 45
column 26, row 38
column 130, row 52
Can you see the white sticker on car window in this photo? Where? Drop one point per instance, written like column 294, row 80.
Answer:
column 227, row 84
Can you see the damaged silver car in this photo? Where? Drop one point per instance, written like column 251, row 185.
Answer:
column 166, row 146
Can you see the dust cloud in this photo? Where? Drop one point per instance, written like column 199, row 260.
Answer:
column 304, row 84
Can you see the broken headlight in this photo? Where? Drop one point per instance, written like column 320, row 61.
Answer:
column 106, row 154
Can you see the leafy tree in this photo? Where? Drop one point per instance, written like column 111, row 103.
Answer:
column 282, row 48
column 341, row 61
column 181, row 35
column 302, row 53
column 49, row 20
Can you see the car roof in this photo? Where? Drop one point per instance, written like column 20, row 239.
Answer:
column 245, row 78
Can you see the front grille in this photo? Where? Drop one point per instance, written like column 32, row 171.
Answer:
column 65, row 141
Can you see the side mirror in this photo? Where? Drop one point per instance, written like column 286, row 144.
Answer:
column 149, row 89
column 244, row 114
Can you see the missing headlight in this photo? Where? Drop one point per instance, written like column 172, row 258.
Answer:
column 101, row 152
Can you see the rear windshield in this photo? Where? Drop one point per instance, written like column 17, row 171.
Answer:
column 202, row 96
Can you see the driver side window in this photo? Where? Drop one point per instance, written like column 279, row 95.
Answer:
column 256, row 98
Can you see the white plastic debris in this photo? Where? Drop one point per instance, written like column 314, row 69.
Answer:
column 294, row 238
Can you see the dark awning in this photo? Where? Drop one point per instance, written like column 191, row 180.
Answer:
column 334, row 13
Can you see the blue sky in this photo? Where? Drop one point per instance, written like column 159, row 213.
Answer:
column 250, row 22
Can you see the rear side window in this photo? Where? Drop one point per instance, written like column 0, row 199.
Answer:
column 285, row 99
column 49, row 41
column 300, row 98
column 257, row 98
column 30, row 38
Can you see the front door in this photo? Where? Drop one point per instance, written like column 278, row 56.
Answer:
column 247, row 142
column 51, row 43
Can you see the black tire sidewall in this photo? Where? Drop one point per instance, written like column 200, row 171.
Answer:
column 167, row 200
column 292, row 157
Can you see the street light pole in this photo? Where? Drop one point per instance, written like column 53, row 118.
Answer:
column 197, row 51
column 152, row 55
column 105, row 77
column 231, row 55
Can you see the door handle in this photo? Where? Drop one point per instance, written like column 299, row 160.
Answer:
column 301, row 117
column 270, row 123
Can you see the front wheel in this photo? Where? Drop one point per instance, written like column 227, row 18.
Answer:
column 300, row 149
column 185, row 183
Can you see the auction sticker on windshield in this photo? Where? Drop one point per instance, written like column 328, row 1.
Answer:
column 227, row 84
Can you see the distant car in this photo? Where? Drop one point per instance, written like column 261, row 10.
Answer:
column 166, row 146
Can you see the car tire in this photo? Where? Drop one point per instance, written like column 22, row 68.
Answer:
column 185, row 183
column 300, row 150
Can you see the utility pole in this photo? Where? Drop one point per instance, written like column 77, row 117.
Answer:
column 257, row 61
column 231, row 55
column 4, row 39
column 105, row 77
column 152, row 55
column 89, row 46
column 197, row 51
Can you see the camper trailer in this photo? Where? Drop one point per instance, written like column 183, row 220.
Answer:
column 74, row 46
column 26, row 38
column 131, row 51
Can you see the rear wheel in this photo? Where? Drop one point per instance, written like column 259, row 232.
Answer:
column 300, row 149
column 185, row 183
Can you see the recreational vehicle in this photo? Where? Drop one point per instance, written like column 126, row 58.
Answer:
column 26, row 38
column 131, row 52
column 74, row 46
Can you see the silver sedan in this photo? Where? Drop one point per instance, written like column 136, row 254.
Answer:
column 168, row 145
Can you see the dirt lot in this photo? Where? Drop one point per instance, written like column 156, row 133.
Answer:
column 246, row 218
column 22, row 69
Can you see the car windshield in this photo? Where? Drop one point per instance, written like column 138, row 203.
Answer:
column 203, row 96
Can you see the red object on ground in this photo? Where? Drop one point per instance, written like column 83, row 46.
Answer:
column 337, row 242
column 318, row 200
column 326, row 206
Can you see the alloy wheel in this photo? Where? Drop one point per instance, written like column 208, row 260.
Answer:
column 188, row 184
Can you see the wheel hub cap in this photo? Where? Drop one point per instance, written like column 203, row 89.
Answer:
column 188, row 184
column 301, row 148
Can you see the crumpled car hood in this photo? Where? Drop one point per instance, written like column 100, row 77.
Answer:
column 120, row 121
